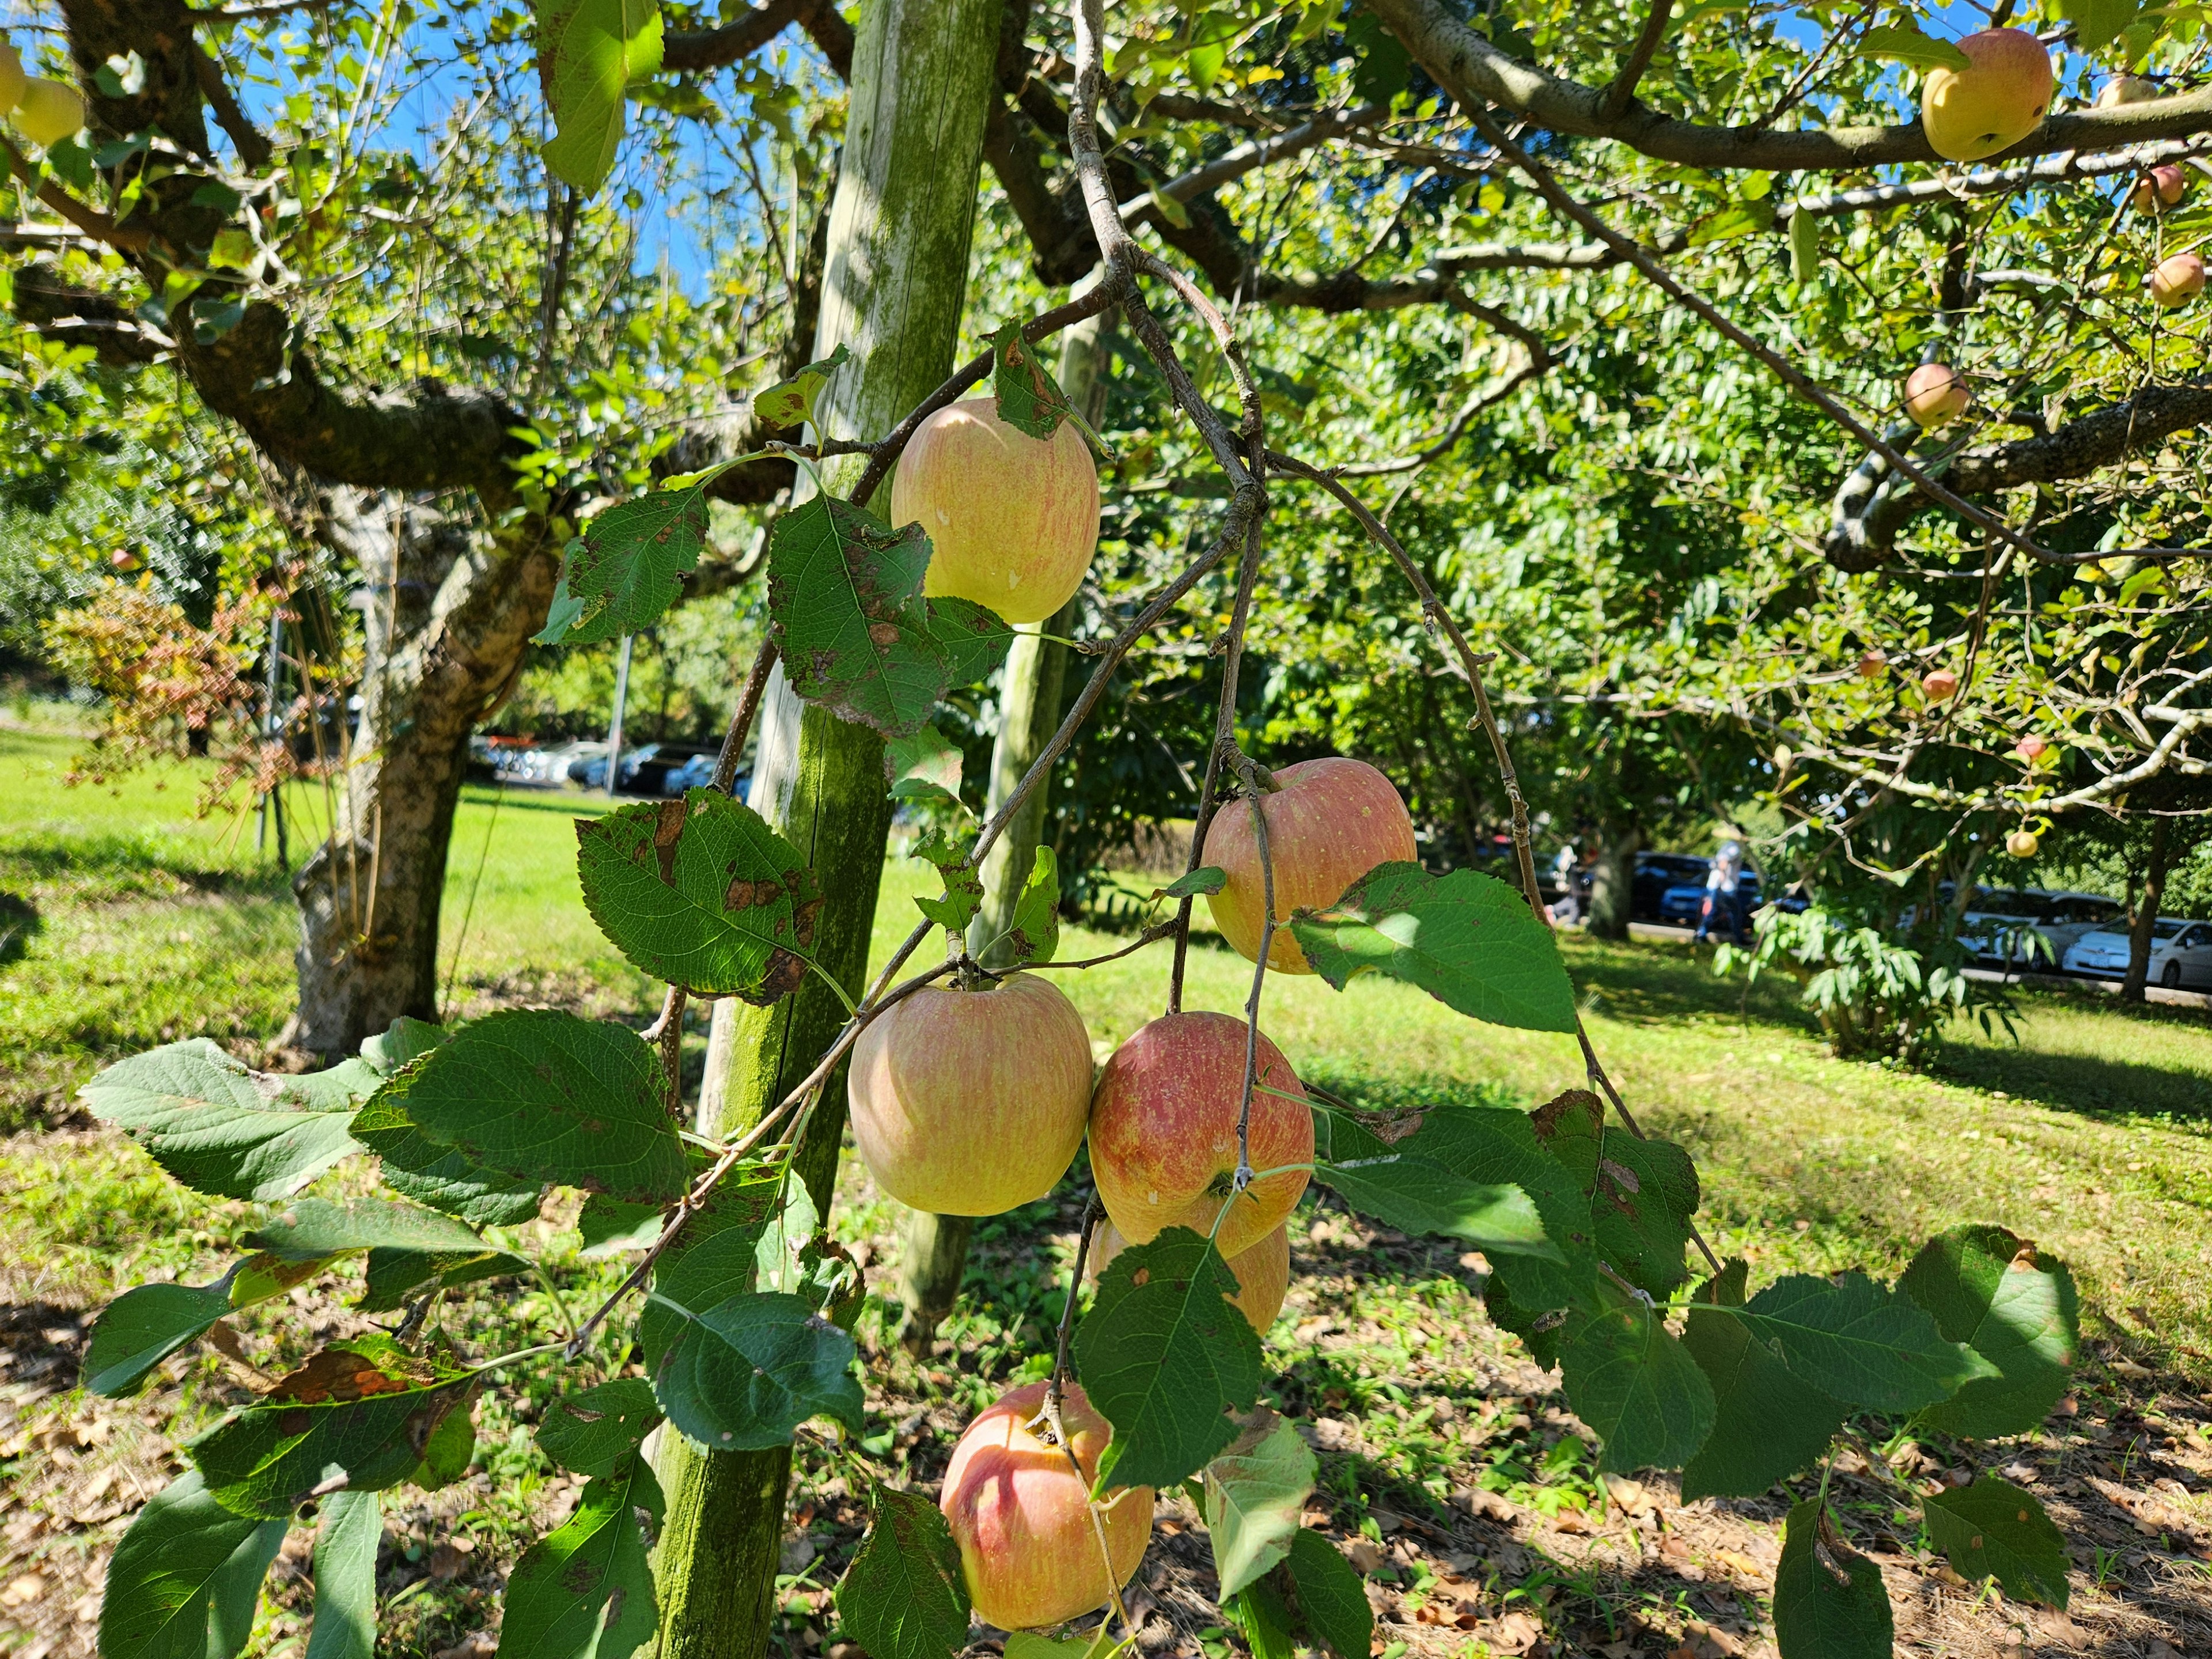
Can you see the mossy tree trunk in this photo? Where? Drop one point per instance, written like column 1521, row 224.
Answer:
column 1613, row 883
column 899, row 236
column 933, row 1249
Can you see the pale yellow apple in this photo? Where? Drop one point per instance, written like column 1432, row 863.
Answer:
column 1998, row 99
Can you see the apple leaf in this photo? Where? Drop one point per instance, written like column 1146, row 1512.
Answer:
column 791, row 403
column 144, row 1326
column 1028, row 399
column 1829, row 1602
column 1164, row 1355
column 593, row 1431
column 589, row 52
column 1769, row 1423
column 586, row 1589
column 609, row 1227
column 703, row 893
column 973, row 638
column 350, row 1528
column 2011, row 1305
column 1860, row 1341
column 179, row 1577
column 1641, row 1193
column 1329, row 1595
column 404, row 1039
column 224, row 1130
column 962, row 896
column 1992, row 1529
column 1468, row 939
column 1255, row 1492
column 1634, row 1383
column 517, row 1100
column 904, row 1596
column 2097, row 23
column 744, row 1374
column 1903, row 43
column 1033, row 935
column 922, row 757
column 628, row 567
column 1265, row 1617
column 1194, row 883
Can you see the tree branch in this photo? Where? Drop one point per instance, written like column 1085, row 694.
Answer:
column 1618, row 96
column 711, row 49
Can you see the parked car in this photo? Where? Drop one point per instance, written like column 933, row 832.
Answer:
column 698, row 772
column 2180, row 954
column 1656, row 872
column 2061, row 919
column 1998, row 928
column 645, row 769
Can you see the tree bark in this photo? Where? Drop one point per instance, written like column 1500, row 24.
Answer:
column 447, row 614
column 1613, row 883
column 900, row 232
column 933, row 1249
column 2146, row 916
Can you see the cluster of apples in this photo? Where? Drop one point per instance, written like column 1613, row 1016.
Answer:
column 975, row 1102
column 44, row 112
column 1998, row 99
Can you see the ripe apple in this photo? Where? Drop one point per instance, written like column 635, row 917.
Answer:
column 1263, row 1271
column 12, row 79
column 1330, row 822
column 1013, row 520
column 1873, row 664
column 972, row 1103
column 2030, row 748
column 2022, row 843
column 1022, row 1516
column 1935, row 395
column 2162, row 187
column 1939, row 686
column 1993, row 103
column 1163, row 1132
column 48, row 112
column 2126, row 89
column 2178, row 279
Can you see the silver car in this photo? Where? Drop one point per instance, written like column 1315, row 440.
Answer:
column 2180, row 954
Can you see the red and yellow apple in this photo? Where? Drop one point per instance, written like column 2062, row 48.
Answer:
column 1022, row 1518
column 48, row 112
column 1263, row 1271
column 2022, row 843
column 2162, row 187
column 1939, row 685
column 1993, row 103
column 2030, row 748
column 2126, row 89
column 1330, row 822
column 1935, row 395
column 2178, row 279
column 1012, row 519
column 1163, row 1133
column 972, row 1103
column 1873, row 664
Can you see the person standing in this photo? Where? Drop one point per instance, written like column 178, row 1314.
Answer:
column 1723, row 903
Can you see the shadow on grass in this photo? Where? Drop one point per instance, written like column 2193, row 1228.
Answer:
column 107, row 868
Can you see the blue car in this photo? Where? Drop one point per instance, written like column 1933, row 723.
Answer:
column 1680, row 907
column 698, row 772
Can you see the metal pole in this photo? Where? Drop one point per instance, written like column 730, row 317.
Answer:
column 614, row 726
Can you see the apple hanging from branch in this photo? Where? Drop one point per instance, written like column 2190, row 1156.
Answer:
column 1022, row 1516
column 1935, row 394
column 2163, row 186
column 1998, row 99
column 2178, row 279
column 1939, row 685
column 1012, row 519
column 1330, row 822
column 1163, row 1133
column 972, row 1103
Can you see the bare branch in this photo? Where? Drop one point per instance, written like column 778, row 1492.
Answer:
column 1618, row 96
column 710, row 49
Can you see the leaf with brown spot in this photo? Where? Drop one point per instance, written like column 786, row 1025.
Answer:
column 726, row 907
column 592, row 1577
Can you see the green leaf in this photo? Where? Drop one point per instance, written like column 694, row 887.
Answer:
column 351, row 1527
column 1266, row 1619
column 169, row 1570
column 397, row 1276
column 1641, row 1193
column 404, row 1039
column 744, row 1374
column 1860, row 1341
column 2097, row 23
column 588, row 53
column 610, row 1227
column 143, row 1327
column 904, row 1596
column 1034, row 932
column 366, row 1406
column 974, row 640
column 1468, row 939
column 923, row 757
column 1992, row 1529
column 1194, row 884
column 2011, row 1305
column 1737, row 219
column 311, row 1228
column 585, row 1591
column 1329, row 1596
column 1164, row 1355
column 964, row 887
column 595, row 1431
column 702, row 893
column 1634, row 1383
column 447, row 1452
column 1254, row 1494
column 1902, row 43
column 235, row 1592
column 630, row 565
column 1384, row 66
column 1028, row 399
column 1768, row 1422
column 220, row 1129
column 1804, row 247
column 1829, row 1602
column 525, row 1099
column 712, row 1260
column 791, row 403
column 845, row 606
column 1401, row 1188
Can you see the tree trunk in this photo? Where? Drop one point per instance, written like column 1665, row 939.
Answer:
column 1613, row 883
column 933, row 1249
column 447, row 613
column 2146, row 916
column 899, row 238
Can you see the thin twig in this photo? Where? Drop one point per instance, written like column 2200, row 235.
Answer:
column 1151, row 935
column 1623, row 89
column 1257, row 786
column 741, row 722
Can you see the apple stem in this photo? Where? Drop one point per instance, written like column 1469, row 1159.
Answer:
column 1092, row 1213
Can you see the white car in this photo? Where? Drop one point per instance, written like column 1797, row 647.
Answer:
column 2180, row 954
